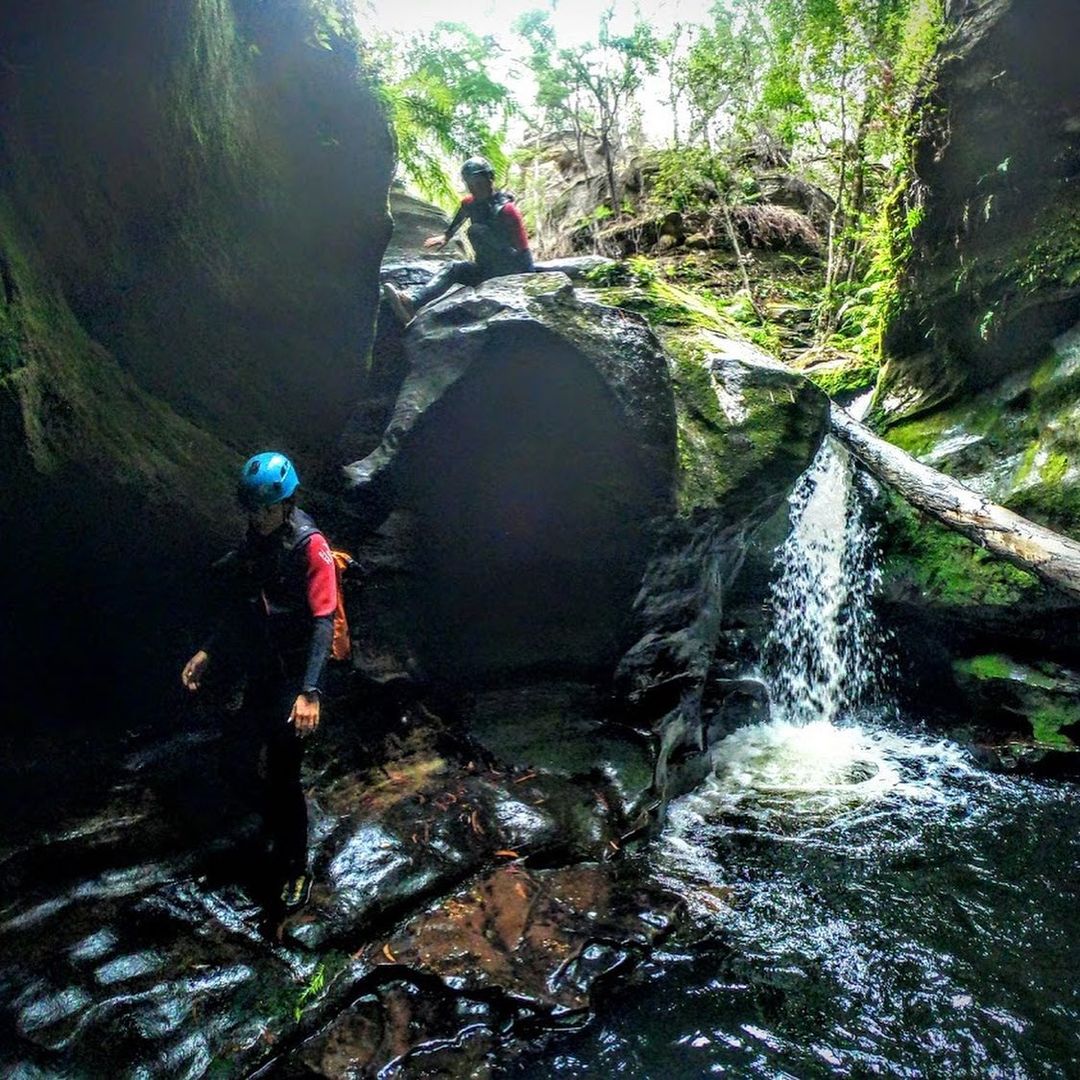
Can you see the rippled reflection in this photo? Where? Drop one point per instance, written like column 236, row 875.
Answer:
column 877, row 907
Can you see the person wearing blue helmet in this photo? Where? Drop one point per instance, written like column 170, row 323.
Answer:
column 279, row 625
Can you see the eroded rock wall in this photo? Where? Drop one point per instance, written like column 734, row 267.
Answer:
column 192, row 213
column 981, row 378
column 994, row 275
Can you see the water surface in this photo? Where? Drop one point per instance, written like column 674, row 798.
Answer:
column 873, row 905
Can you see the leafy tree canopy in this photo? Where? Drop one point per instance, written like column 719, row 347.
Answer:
column 443, row 102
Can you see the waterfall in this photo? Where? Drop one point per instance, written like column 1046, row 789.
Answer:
column 823, row 657
column 820, row 655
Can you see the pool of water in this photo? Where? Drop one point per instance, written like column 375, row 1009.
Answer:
column 866, row 902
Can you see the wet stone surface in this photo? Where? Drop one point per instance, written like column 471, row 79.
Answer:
column 463, row 898
column 515, row 953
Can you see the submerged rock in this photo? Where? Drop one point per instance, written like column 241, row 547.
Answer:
column 518, row 952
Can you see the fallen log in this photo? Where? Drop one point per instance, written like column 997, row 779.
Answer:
column 1049, row 555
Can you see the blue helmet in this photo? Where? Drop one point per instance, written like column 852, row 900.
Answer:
column 266, row 479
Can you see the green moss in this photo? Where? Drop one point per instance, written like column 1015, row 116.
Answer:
column 848, row 379
column 989, row 666
column 999, row 666
column 1047, row 722
column 537, row 285
column 945, row 567
column 1051, row 257
column 1027, row 463
column 12, row 343
column 728, row 459
column 665, row 305
column 919, row 436
column 76, row 404
column 1054, row 468
column 694, row 386
column 1044, row 374
column 1056, row 506
column 701, row 425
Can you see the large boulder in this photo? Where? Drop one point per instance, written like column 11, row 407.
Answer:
column 748, row 428
column 557, row 491
column 531, row 446
column 192, row 212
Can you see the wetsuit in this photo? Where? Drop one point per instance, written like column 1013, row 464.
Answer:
column 497, row 235
column 280, row 624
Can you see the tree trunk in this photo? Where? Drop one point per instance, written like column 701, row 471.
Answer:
column 1049, row 555
column 609, row 165
column 733, row 239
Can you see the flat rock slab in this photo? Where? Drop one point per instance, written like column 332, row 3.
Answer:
column 129, row 943
column 515, row 951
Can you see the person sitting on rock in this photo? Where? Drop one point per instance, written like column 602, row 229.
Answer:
column 279, row 626
column 497, row 235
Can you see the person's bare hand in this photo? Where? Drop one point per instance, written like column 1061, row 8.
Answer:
column 305, row 714
column 433, row 243
column 192, row 674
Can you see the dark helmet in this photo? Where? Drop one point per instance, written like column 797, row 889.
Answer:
column 266, row 479
column 477, row 166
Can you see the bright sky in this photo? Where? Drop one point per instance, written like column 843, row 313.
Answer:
column 574, row 20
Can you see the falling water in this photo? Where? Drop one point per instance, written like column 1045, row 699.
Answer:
column 885, row 907
column 824, row 655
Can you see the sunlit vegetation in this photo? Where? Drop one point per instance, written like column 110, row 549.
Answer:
column 827, row 91
column 443, row 103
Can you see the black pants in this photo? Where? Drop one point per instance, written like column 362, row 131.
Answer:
column 459, row 272
column 268, row 703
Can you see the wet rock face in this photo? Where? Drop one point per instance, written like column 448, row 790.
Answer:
column 530, row 447
column 993, row 277
column 470, row 967
column 135, row 939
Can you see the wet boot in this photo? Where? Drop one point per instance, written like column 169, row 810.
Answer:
column 295, row 891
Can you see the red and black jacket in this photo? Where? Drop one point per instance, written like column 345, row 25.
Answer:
column 497, row 234
column 283, row 597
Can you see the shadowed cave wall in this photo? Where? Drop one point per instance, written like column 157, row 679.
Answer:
column 192, row 215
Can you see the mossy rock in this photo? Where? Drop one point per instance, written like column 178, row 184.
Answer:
column 1018, row 442
column 840, row 374
column 747, row 425
column 1043, row 697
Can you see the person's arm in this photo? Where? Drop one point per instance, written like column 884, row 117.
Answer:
column 441, row 239
column 513, row 225
column 227, row 570
column 322, row 603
